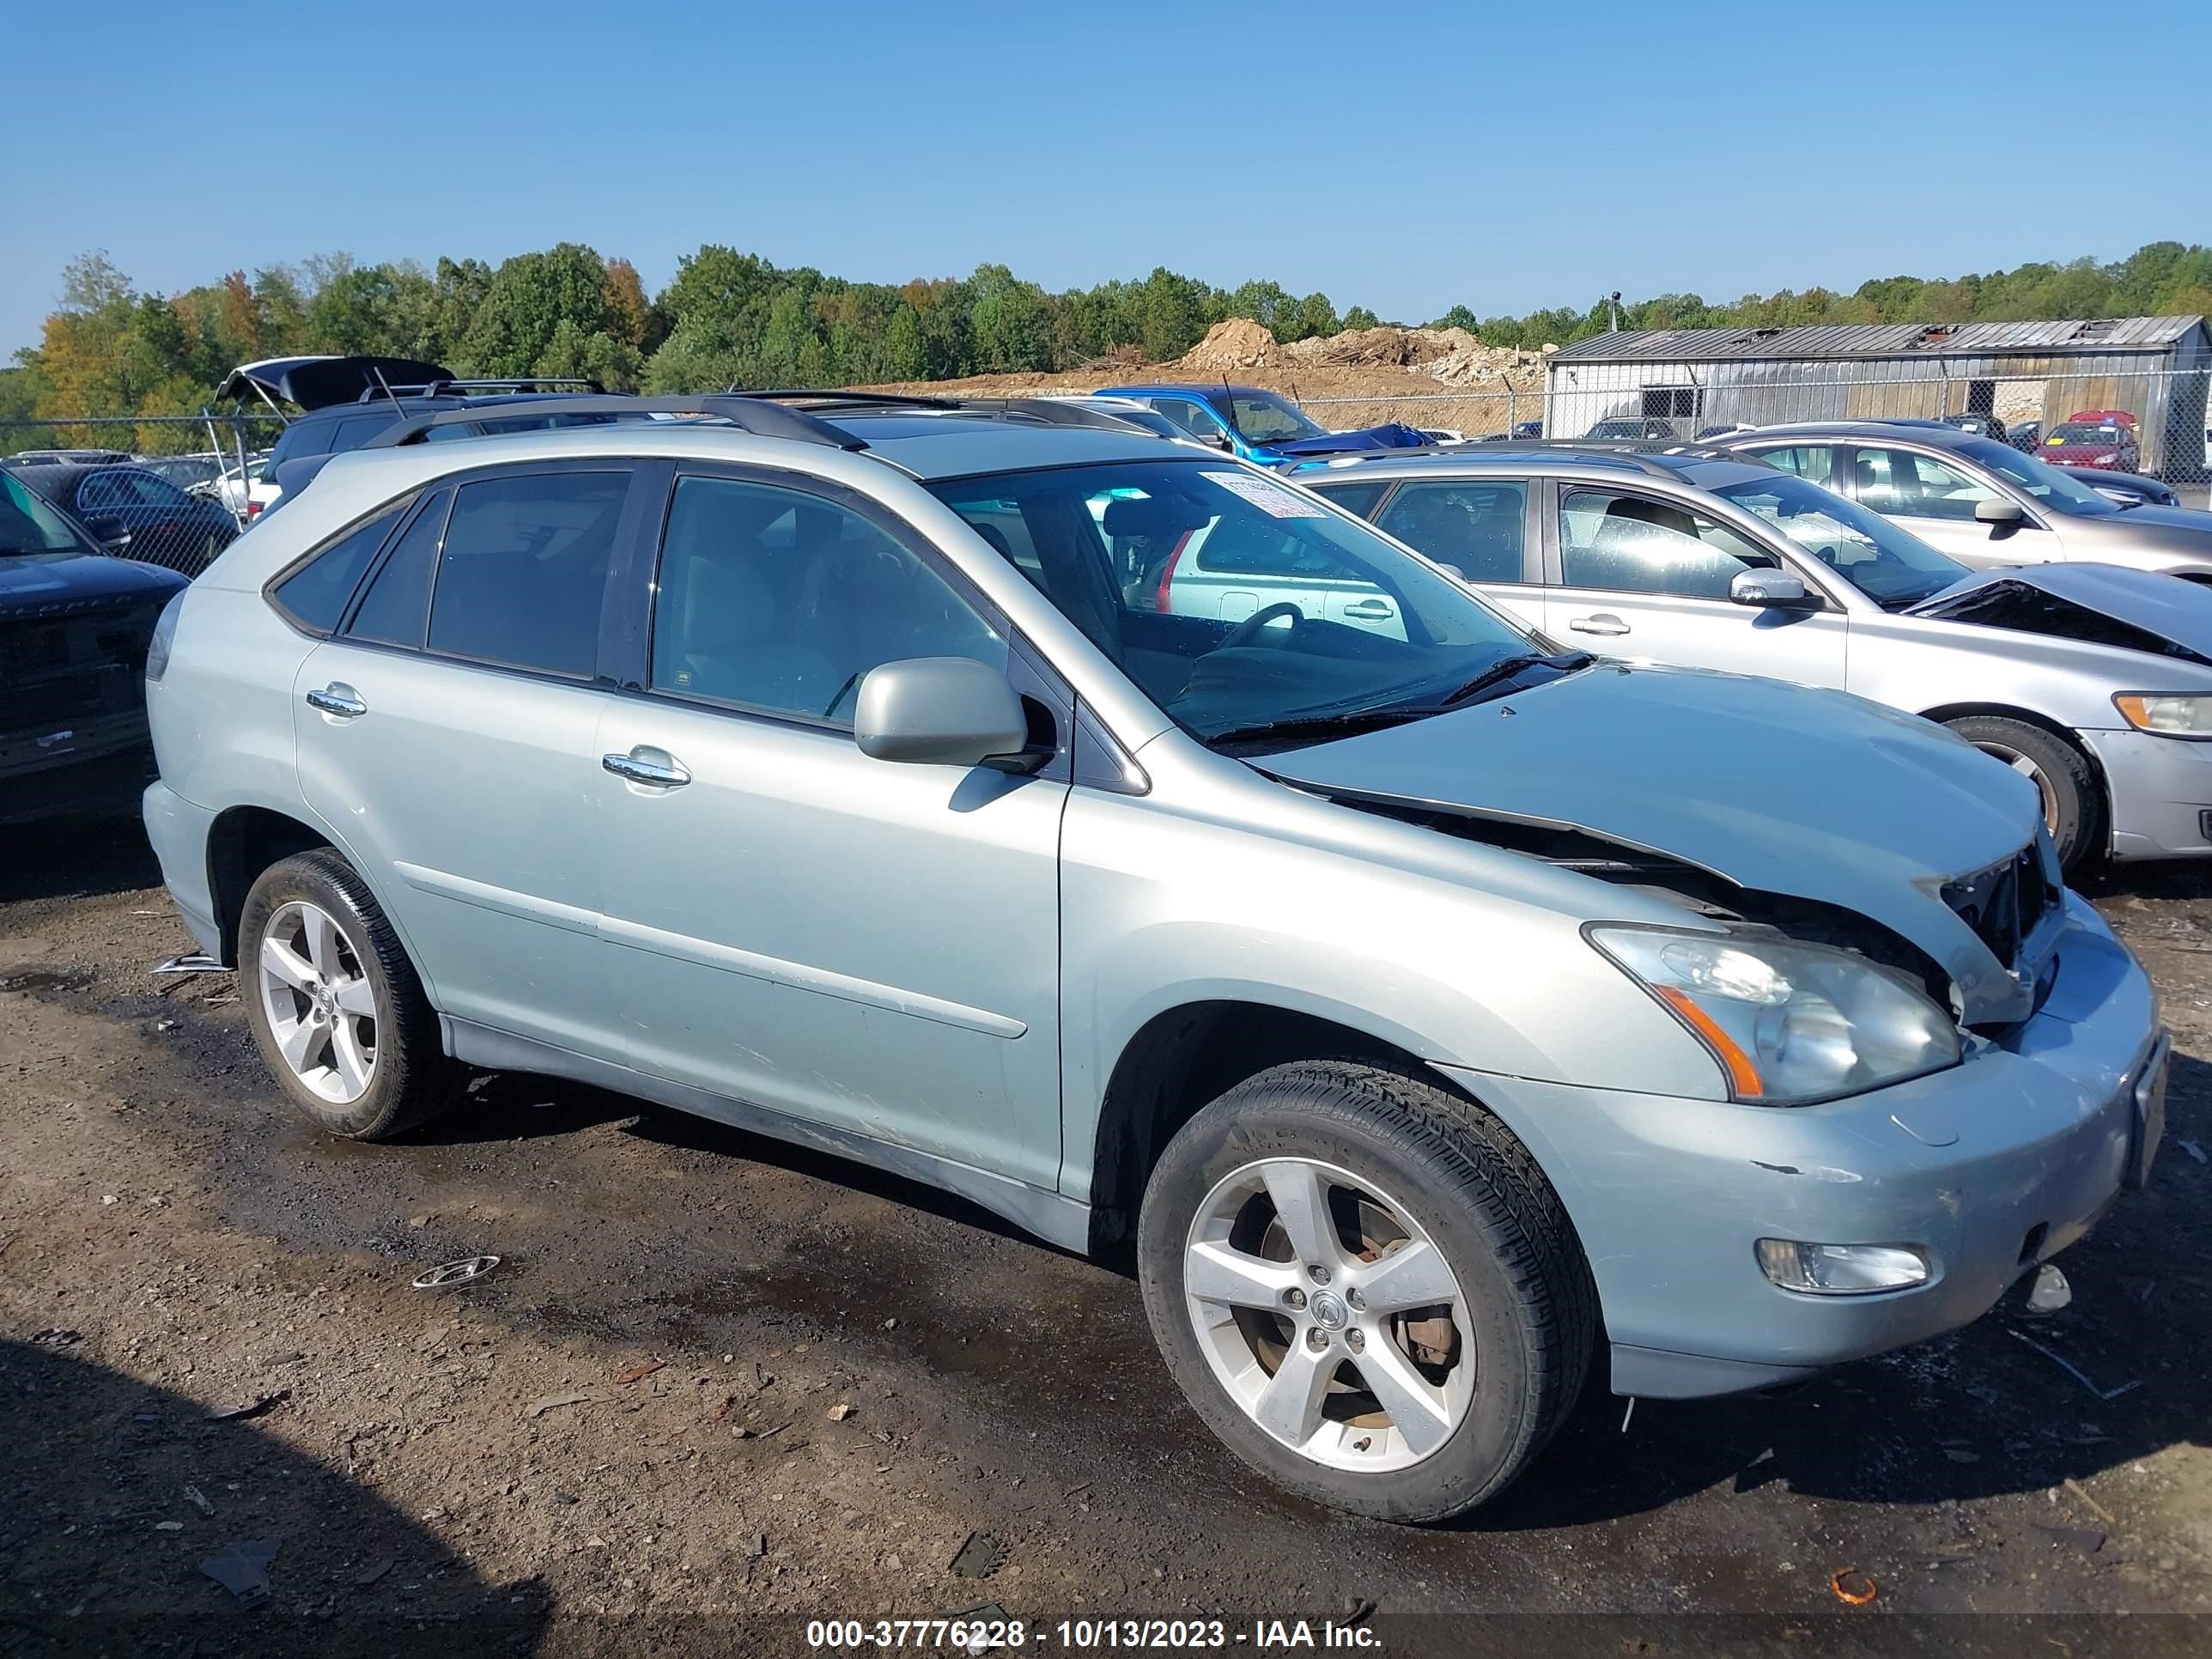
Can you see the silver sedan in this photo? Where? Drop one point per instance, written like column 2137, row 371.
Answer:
column 1982, row 502
column 2093, row 680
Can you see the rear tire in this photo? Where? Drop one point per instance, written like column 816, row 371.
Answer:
column 2072, row 808
column 1403, row 1395
column 336, row 1008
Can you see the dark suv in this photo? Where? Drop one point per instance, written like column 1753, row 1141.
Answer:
column 350, row 401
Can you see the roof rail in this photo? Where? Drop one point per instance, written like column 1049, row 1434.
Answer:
column 378, row 393
column 1047, row 411
column 757, row 416
column 1563, row 448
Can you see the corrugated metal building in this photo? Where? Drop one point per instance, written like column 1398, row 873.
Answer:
column 1693, row 378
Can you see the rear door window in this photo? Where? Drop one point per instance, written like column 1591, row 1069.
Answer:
column 398, row 601
column 522, row 575
column 1472, row 526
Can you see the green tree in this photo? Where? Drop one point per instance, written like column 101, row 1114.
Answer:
column 527, row 299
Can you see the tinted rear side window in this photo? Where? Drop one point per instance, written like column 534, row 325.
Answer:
column 1471, row 525
column 523, row 572
column 315, row 595
column 356, row 430
column 398, row 601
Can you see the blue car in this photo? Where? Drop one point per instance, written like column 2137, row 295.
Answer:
column 1258, row 425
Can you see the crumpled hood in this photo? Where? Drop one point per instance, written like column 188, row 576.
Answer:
column 1815, row 795
column 2172, row 608
column 1390, row 435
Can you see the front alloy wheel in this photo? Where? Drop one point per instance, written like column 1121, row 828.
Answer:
column 1328, row 1314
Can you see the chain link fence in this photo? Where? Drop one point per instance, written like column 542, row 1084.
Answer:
column 2129, row 420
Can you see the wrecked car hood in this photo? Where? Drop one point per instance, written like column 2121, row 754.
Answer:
column 2178, row 611
column 1815, row 794
column 1391, row 435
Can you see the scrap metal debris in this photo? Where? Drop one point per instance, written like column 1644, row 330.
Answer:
column 2082, row 1538
column 198, row 1500
column 243, row 1570
column 252, row 1408
column 452, row 1275
column 2072, row 1370
column 639, row 1372
column 374, row 1570
column 980, row 1556
column 1855, row 1587
column 56, row 1338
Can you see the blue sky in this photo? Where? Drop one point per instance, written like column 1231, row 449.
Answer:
column 1404, row 156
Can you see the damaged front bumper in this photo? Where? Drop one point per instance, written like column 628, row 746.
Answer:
column 1988, row 1168
column 2160, row 789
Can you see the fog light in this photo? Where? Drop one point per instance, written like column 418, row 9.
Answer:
column 1841, row 1269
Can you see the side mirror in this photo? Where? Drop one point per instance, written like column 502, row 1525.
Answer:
column 1997, row 509
column 940, row 711
column 1769, row 589
column 114, row 533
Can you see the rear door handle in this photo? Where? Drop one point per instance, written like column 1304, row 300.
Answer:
column 338, row 700
column 1601, row 622
column 1369, row 609
column 636, row 767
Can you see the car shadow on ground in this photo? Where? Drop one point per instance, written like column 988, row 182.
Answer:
column 75, row 858
column 112, row 1493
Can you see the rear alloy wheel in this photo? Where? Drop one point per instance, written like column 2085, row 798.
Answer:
column 2059, row 772
column 1363, row 1284
column 335, row 1005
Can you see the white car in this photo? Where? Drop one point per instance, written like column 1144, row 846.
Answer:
column 246, row 501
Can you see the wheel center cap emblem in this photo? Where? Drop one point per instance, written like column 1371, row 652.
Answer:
column 1329, row 1310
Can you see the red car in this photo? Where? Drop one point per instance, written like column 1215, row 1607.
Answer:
column 2087, row 439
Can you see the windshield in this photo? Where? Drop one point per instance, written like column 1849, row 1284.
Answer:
column 1263, row 418
column 2051, row 486
column 1891, row 566
column 1236, row 603
column 2084, row 432
column 28, row 525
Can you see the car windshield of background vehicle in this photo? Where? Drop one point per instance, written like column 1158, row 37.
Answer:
column 28, row 527
column 1262, row 419
column 1890, row 567
column 2081, row 432
column 2049, row 487
column 1237, row 604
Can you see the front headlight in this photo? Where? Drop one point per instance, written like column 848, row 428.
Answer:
column 1788, row 1022
column 2170, row 716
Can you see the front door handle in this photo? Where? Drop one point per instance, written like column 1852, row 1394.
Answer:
column 1603, row 621
column 1368, row 611
column 338, row 700
column 635, row 767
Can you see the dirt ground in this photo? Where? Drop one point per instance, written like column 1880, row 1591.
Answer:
column 717, row 1387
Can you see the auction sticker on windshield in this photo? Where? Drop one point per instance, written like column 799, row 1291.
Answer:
column 1271, row 499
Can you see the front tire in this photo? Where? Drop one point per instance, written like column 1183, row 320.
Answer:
column 336, row 1008
column 2072, row 809
column 1366, row 1287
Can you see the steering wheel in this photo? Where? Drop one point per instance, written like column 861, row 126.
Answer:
column 1246, row 631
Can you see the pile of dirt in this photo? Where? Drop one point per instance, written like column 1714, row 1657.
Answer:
column 1452, row 355
column 1236, row 343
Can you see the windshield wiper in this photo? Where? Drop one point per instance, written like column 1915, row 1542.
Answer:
column 1506, row 667
column 1341, row 724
